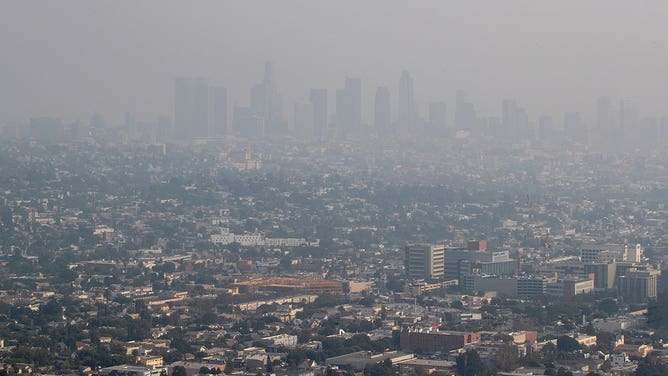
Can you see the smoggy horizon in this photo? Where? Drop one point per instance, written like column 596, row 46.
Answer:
column 76, row 58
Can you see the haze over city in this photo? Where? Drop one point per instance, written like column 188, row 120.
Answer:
column 333, row 188
column 71, row 59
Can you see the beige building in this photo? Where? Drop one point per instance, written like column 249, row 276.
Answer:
column 425, row 261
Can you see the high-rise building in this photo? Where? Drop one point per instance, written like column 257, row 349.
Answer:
column 638, row 286
column 425, row 261
column 349, row 105
column 191, row 107
column 319, row 103
column 604, row 274
column 438, row 115
column 265, row 102
column 406, row 108
column 381, row 118
column 219, row 110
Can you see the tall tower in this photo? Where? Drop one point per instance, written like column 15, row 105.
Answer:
column 406, row 102
column 191, row 107
column 349, row 105
column 381, row 118
column 265, row 102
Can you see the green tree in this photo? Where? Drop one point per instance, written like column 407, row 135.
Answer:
column 470, row 364
column 608, row 306
column 548, row 352
column 507, row 358
column 649, row 367
column 179, row 371
column 379, row 369
column 567, row 344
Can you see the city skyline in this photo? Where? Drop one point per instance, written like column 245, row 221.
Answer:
column 534, row 59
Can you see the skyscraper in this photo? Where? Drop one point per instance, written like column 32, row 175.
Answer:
column 381, row 118
column 219, row 110
column 265, row 102
column 406, row 102
column 191, row 107
column 319, row 103
column 349, row 105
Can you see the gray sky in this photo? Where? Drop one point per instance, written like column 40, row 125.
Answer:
column 71, row 58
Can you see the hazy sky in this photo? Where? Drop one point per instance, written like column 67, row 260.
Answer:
column 71, row 58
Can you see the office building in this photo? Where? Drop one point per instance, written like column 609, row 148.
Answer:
column 568, row 288
column 349, row 105
column 462, row 261
column 381, row 118
column 265, row 102
column 531, row 286
column 191, row 107
column 425, row 261
column 604, row 274
column 638, row 286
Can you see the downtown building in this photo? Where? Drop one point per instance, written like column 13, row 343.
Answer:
column 638, row 286
column 425, row 261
